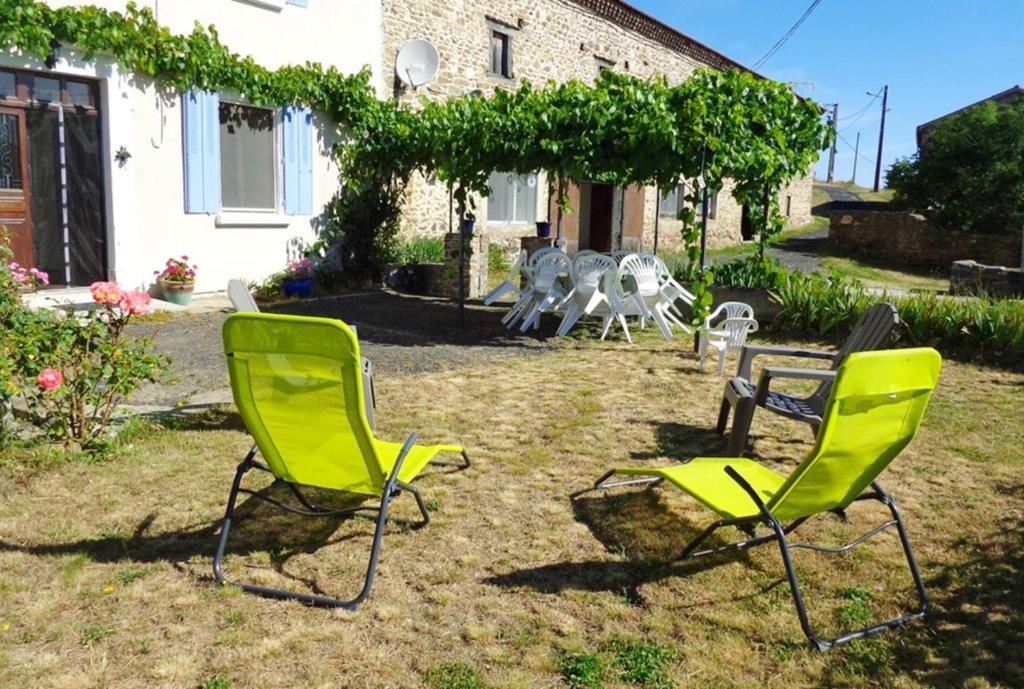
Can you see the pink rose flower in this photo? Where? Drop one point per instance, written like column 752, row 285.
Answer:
column 135, row 303
column 50, row 379
column 105, row 292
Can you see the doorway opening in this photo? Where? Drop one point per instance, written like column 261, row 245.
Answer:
column 51, row 175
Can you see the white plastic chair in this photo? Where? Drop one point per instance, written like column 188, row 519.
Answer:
column 586, row 296
column 511, row 283
column 645, row 290
column 546, row 294
column 523, row 302
column 672, row 291
column 619, row 255
column 728, row 334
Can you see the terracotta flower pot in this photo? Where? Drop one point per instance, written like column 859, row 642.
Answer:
column 179, row 293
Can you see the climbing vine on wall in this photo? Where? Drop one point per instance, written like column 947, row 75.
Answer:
column 138, row 44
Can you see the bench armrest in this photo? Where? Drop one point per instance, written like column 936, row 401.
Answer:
column 748, row 353
column 770, row 372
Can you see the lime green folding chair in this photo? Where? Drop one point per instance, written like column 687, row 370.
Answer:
column 874, row 410
column 298, row 386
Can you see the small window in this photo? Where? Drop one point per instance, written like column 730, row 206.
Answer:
column 670, row 202
column 513, row 198
column 603, row 64
column 45, row 90
column 789, row 205
column 8, row 87
column 713, row 206
column 501, row 54
column 79, row 94
column 248, row 167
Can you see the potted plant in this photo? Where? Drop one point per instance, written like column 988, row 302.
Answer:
column 297, row 279
column 177, row 280
column 543, row 228
column 28, row 279
column 467, row 223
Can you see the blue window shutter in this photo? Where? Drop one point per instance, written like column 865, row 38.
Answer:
column 192, row 116
column 297, row 134
column 211, row 153
column 300, row 3
column 202, row 151
column 306, row 161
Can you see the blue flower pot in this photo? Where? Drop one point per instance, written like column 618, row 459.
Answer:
column 297, row 287
column 467, row 226
column 543, row 228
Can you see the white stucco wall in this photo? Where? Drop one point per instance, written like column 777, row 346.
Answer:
column 146, row 221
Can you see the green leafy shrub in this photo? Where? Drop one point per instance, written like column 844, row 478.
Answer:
column 751, row 271
column 976, row 329
column 969, row 173
column 422, row 250
column 497, row 259
column 453, row 675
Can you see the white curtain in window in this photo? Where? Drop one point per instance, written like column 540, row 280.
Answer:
column 247, row 157
column 513, row 198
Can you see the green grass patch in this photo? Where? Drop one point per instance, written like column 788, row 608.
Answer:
column 582, row 669
column 453, row 675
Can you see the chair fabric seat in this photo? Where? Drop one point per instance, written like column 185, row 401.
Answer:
column 418, row 458
column 705, row 479
column 787, row 404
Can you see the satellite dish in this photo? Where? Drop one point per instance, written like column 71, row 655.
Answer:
column 417, row 62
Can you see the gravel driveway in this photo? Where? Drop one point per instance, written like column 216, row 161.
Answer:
column 399, row 333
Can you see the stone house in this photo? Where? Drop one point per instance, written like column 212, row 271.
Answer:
column 493, row 44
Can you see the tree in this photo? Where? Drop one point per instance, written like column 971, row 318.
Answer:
column 969, row 174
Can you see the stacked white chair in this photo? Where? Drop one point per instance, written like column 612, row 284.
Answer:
column 672, row 291
column 546, row 293
column 641, row 276
column 728, row 334
column 511, row 283
column 587, row 296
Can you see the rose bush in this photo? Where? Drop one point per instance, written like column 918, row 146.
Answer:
column 71, row 370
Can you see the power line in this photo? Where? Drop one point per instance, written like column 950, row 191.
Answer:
column 859, row 114
column 852, row 148
column 786, row 36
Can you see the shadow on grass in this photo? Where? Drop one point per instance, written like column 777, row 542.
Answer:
column 682, row 442
column 636, row 525
column 973, row 635
column 258, row 527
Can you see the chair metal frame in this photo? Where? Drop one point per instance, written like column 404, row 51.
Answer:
column 392, row 489
column 779, row 532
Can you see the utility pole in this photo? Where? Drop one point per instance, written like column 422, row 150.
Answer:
column 881, row 137
column 835, row 137
column 856, row 154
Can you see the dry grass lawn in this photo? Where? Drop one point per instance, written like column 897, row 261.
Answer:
column 105, row 566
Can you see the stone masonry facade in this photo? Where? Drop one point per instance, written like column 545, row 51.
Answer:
column 558, row 40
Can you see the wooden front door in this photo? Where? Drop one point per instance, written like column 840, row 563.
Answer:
column 601, row 203
column 15, row 196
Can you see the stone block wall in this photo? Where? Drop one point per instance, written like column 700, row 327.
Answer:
column 909, row 239
column 551, row 39
column 971, row 277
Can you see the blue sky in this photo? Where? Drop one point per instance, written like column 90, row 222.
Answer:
column 936, row 56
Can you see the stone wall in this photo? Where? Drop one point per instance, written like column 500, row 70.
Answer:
column 909, row 239
column 551, row 39
column 971, row 277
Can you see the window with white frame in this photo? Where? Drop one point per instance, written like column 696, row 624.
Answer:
column 248, row 158
column 513, row 198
